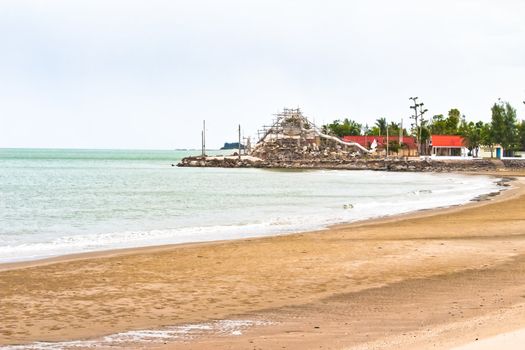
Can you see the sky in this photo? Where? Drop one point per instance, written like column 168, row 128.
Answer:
column 145, row 74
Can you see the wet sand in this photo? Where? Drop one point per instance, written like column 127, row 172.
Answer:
column 433, row 279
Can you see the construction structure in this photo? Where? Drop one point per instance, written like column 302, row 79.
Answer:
column 291, row 136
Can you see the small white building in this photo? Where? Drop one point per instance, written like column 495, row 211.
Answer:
column 484, row 152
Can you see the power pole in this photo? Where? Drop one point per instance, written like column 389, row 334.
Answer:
column 401, row 132
column 366, row 135
column 418, row 120
column 239, row 141
column 243, row 140
column 421, row 122
column 386, row 140
column 415, row 117
column 203, row 137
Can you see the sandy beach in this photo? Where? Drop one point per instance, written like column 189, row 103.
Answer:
column 435, row 279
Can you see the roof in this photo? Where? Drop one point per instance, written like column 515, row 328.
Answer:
column 366, row 141
column 447, row 141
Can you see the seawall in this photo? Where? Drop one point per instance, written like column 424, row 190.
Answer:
column 391, row 164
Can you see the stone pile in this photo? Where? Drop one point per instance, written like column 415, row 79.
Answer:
column 292, row 137
column 514, row 163
column 391, row 164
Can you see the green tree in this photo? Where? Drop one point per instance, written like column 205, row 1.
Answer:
column 504, row 126
column 452, row 121
column 521, row 130
column 343, row 128
column 472, row 135
column 394, row 146
column 394, row 129
column 373, row 131
column 497, row 123
column 438, row 125
column 381, row 126
column 366, row 129
column 487, row 138
column 425, row 137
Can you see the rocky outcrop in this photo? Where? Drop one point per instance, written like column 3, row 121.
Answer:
column 394, row 164
column 220, row 162
column 514, row 163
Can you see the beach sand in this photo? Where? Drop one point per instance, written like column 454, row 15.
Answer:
column 428, row 280
column 508, row 341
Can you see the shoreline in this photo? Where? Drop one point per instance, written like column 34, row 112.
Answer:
column 112, row 252
column 245, row 277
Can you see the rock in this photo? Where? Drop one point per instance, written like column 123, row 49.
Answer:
column 340, row 161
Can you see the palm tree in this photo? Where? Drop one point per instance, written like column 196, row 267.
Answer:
column 381, row 125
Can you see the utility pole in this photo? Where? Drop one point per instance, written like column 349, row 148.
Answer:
column 366, row 128
column 203, row 138
column 421, row 122
column 239, row 141
column 401, row 132
column 386, row 140
column 415, row 117
column 418, row 120
column 243, row 140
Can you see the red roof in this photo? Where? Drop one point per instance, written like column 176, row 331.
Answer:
column 366, row 141
column 447, row 141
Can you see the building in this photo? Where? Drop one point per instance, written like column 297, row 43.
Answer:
column 408, row 143
column 448, row 146
column 484, row 151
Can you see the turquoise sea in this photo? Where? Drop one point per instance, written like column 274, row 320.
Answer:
column 56, row 202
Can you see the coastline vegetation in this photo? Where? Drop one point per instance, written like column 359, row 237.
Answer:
column 503, row 129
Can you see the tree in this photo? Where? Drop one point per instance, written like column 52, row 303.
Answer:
column 438, row 125
column 512, row 128
column 374, row 131
column 497, row 123
column 366, row 129
column 487, row 138
column 394, row 146
column 343, row 128
column 381, row 125
column 504, row 126
column 425, row 136
column 472, row 135
column 522, row 135
column 452, row 121
column 394, row 128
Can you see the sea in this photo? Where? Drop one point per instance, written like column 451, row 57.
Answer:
column 56, row 202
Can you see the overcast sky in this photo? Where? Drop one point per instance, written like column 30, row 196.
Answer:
column 144, row 74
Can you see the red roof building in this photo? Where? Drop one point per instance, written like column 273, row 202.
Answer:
column 366, row 141
column 409, row 148
column 447, row 141
column 448, row 146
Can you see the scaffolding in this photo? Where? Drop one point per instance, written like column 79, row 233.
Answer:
column 293, row 136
